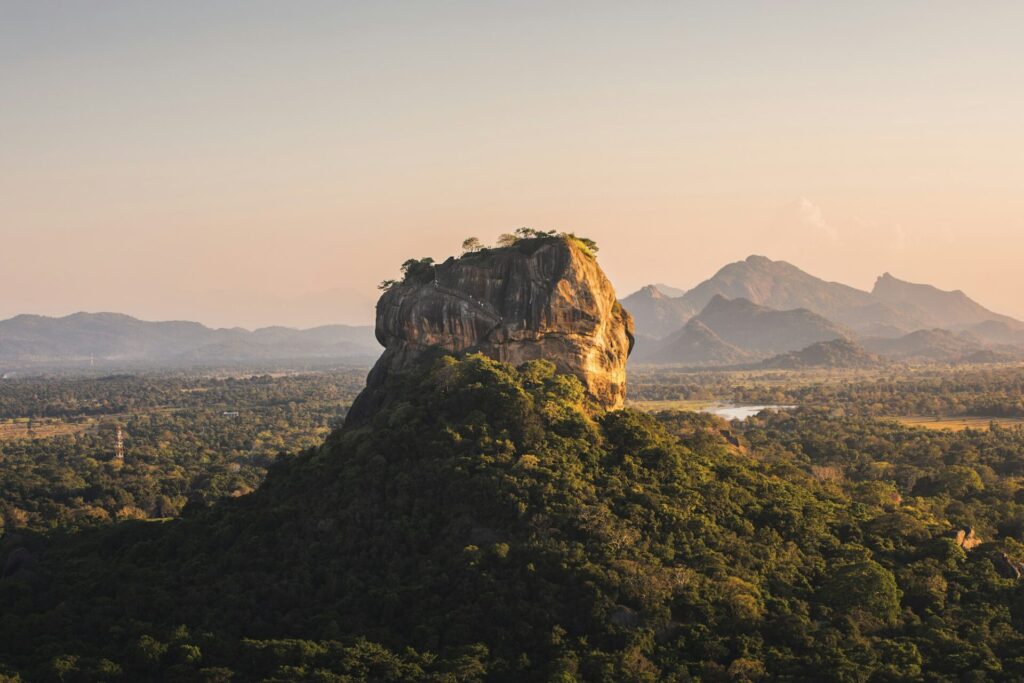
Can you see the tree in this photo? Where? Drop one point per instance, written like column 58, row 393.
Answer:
column 864, row 586
column 471, row 244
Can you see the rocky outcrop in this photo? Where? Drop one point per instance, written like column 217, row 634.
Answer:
column 966, row 538
column 543, row 297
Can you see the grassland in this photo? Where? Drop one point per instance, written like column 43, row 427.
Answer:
column 671, row 404
column 958, row 423
column 22, row 428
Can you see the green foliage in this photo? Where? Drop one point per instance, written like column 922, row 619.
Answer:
column 418, row 270
column 483, row 525
column 864, row 587
column 992, row 391
column 528, row 235
column 187, row 439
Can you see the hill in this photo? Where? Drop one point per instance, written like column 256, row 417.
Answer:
column 117, row 339
column 484, row 525
column 762, row 330
column 782, row 286
column 934, row 345
column 655, row 313
column 694, row 344
column 949, row 310
column 735, row 331
column 998, row 332
column 838, row 353
column 482, row 516
column 893, row 308
column 668, row 290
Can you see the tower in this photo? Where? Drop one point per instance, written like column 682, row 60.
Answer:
column 119, row 445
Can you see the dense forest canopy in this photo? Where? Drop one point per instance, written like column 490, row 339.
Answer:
column 484, row 526
column 187, row 439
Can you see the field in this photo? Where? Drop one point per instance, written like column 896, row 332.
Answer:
column 41, row 429
column 670, row 404
column 959, row 423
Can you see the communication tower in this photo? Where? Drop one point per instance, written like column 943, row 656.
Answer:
column 119, row 445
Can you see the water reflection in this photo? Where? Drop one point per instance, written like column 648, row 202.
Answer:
column 733, row 412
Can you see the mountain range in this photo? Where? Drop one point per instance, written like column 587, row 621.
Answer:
column 117, row 339
column 748, row 312
column 697, row 327
column 733, row 330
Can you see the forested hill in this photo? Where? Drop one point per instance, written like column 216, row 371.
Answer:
column 483, row 525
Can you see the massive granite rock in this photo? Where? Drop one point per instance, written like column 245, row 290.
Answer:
column 541, row 298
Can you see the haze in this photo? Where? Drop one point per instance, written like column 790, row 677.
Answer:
column 256, row 163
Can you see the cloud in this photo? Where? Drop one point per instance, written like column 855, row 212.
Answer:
column 809, row 215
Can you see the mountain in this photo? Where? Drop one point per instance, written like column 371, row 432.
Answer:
column 655, row 313
column 114, row 338
column 782, row 286
column 931, row 345
column 838, row 353
column 891, row 310
column 481, row 525
column 998, row 332
column 762, row 330
column 694, row 344
column 668, row 290
column 951, row 310
column 730, row 331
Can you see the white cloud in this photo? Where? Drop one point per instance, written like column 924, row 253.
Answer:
column 809, row 215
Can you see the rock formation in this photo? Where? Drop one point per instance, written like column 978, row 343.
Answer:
column 543, row 297
column 966, row 538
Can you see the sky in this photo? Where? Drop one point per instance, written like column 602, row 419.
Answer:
column 254, row 163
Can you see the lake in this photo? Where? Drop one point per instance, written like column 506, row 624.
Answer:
column 733, row 412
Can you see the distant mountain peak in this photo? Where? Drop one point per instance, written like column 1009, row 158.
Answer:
column 734, row 330
column 669, row 291
column 836, row 353
column 721, row 303
column 652, row 291
column 718, row 301
column 115, row 338
column 952, row 308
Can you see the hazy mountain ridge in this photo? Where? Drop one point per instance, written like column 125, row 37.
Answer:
column 891, row 311
column 115, row 337
column 935, row 345
column 661, row 314
column 730, row 331
column 694, row 344
column 952, row 309
column 838, row 353
column 783, row 286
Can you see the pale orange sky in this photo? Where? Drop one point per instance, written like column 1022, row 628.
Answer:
column 256, row 163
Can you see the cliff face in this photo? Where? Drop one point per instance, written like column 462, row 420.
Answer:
column 542, row 298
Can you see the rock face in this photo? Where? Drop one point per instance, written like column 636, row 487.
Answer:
column 966, row 538
column 541, row 298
